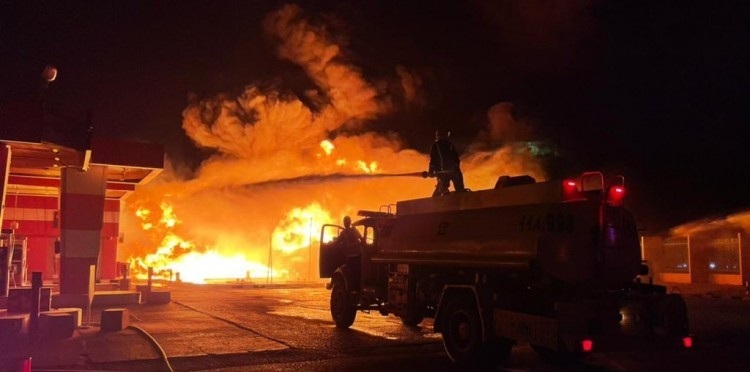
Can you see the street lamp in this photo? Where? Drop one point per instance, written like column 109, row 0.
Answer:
column 49, row 74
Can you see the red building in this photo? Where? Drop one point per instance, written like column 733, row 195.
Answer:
column 61, row 192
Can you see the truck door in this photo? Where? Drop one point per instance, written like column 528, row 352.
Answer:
column 332, row 255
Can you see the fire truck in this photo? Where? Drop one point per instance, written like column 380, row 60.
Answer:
column 554, row 264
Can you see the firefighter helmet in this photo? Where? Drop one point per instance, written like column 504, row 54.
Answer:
column 442, row 134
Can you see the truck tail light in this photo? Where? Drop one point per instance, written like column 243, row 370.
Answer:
column 616, row 195
column 587, row 345
column 570, row 190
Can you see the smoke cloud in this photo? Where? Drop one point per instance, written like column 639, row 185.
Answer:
column 732, row 222
column 230, row 204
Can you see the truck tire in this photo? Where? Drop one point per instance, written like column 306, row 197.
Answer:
column 413, row 316
column 342, row 311
column 670, row 318
column 462, row 335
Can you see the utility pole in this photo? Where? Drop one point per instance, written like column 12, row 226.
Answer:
column 309, row 254
column 269, row 276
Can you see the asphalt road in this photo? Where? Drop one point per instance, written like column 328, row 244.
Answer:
column 225, row 328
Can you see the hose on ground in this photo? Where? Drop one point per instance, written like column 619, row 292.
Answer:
column 156, row 345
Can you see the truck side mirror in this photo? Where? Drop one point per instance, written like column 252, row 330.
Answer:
column 643, row 269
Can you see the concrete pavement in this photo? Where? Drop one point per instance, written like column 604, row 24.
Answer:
column 709, row 290
column 175, row 330
column 152, row 331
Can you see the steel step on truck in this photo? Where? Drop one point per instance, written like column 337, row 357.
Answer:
column 553, row 264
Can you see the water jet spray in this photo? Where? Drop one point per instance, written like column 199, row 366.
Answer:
column 321, row 178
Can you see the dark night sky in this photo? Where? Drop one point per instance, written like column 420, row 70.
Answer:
column 657, row 91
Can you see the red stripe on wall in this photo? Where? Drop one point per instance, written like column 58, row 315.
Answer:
column 120, row 186
column 26, row 201
column 108, row 270
column 110, row 229
column 111, row 205
column 55, row 182
column 32, row 228
column 49, row 215
column 39, row 255
column 72, row 205
column 34, row 181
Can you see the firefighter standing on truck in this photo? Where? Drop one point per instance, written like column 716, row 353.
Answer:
column 445, row 164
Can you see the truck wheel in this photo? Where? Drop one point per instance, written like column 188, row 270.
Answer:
column 342, row 311
column 671, row 318
column 413, row 316
column 462, row 331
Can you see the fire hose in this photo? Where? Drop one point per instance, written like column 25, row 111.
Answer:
column 336, row 177
column 153, row 341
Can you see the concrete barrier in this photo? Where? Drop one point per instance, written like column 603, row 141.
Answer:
column 159, row 297
column 77, row 313
column 114, row 320
column 12, row 325
column 144, row 290
column 108, row 299
column 19, row 299
column 56, row 325
column 60, row 300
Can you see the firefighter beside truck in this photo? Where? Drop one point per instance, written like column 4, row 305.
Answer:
column 554, row 264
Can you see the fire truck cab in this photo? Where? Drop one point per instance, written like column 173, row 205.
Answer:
column 551, row 263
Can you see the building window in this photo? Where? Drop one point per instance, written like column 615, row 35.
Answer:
column 676, row 257
column 724, row 256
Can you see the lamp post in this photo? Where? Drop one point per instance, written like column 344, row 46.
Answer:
column 309, row 253
column 49, row 74
column 269, row 276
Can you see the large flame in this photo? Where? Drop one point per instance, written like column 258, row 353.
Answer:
column 282, row 168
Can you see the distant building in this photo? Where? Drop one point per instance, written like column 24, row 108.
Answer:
column 718, row 256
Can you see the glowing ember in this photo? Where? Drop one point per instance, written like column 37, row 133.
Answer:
column 327, row 146
column 367, row 168
column 167, row 217
column 143, row 214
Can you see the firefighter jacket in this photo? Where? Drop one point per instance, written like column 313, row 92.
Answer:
column 444, row 157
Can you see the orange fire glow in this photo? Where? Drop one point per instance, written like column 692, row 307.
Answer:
column 178, row 257
column 299, row 229
column 280, row 169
